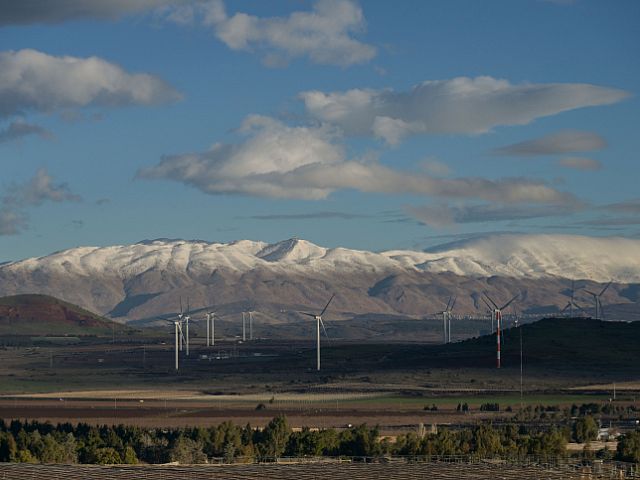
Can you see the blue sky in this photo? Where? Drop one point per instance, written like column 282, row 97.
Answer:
column 368, row 125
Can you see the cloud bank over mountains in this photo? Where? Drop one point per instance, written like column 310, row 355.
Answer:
column 279, row 161
column 460, row 106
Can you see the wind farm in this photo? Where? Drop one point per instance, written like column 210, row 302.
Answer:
column 319, row 239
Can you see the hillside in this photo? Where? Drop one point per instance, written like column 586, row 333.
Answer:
column 147, row 279
column 554, row 343
column 45, row 315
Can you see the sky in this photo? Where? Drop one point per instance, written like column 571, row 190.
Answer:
column 371, row 125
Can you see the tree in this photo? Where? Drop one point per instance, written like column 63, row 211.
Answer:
column 275, row 437
column 107, row 456
column 585, row 429
column 629, row 447
column 8, row 447
column 129, row 457
column 186, row 450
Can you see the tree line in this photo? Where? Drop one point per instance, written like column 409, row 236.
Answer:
column 43, row 442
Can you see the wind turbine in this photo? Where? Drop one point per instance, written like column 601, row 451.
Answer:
column 497, row 314
column 571, row 304
column 186, row 319
column 178, row 337
column 244, row 330
column 446, row 319
column 319, row 322
column 211, row 329
column 597, row 301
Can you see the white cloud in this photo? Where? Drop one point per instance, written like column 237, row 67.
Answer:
column 280, row 161
column 19, row 129
column 41, row 188
column 25, row 12
column 566, row 141
column 580, row 163
column 460, row 105
column 34, row 81
column 38, row 190
column 11, row 221
column 443, row 215
column 324, row 35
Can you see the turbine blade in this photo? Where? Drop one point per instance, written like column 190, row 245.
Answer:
column 323, row 329
column 180, row 304
column 491, row 300
column 487, row 304
column 605, row 289
column 509, row 302
column 580, row 308
column 312, row 315
column 453, row 304
column 448, row 303
column 591, row 293
column 327, row 305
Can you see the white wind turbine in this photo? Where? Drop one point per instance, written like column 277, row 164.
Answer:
column 244, row 328
column 211, row 329
column 319, row 322
column 446, row 319
column 597, row 301
column 179, row 337
column 185, row 319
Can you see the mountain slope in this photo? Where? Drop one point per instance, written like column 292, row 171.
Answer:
column 146, row 279
column 45, row 315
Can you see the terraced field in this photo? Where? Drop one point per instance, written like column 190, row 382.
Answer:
column 325, row 471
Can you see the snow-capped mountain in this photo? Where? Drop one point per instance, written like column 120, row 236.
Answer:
column 145, row 279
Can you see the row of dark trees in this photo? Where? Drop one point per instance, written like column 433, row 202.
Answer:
column 83, row 443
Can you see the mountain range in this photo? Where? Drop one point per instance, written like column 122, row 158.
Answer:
column 147, row 279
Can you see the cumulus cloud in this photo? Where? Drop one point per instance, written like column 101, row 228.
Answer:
column 580, row 163
column 460, row 105
column 34, row 81
column 38, row 190
column 41, row 188
column 324, row 35
column 443, row 214
column 567, row 141
column 276, row 160
column 26, row 12
column 20, row 129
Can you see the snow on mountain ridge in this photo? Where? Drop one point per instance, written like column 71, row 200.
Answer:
column 508, row 255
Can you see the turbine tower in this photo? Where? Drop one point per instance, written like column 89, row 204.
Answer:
column 497, row 315
column 244, row 329
column 211, row 329
column 178, row 338
column 319, row 322
column 598, row 302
